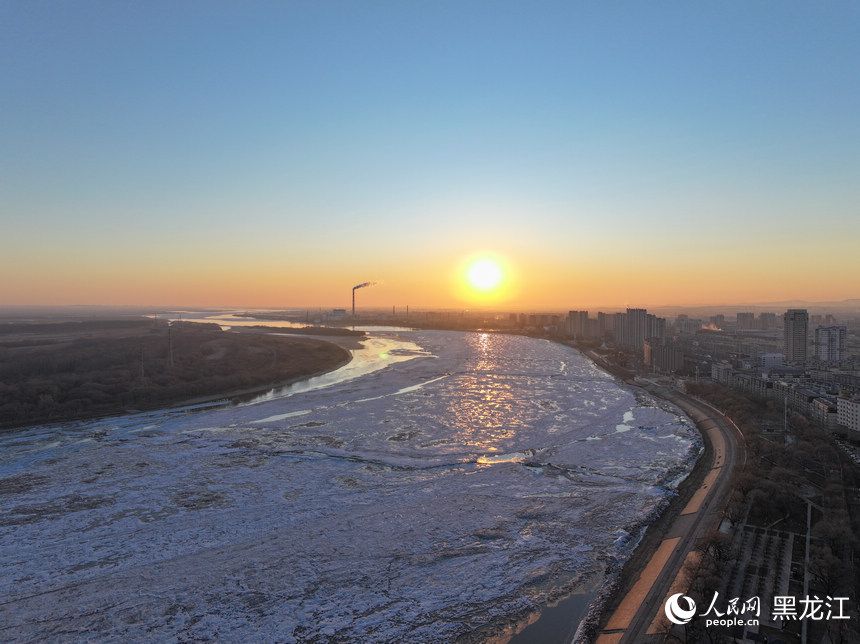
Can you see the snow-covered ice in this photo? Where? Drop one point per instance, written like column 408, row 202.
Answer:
column 455, row 487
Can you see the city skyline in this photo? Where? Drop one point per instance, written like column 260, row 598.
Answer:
column 275, row 155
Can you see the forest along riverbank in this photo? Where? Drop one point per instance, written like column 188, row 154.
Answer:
column 62, row 371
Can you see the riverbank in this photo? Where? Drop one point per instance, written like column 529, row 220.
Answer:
column 551, row 624
column 342, row 337
column 654, row 536
column 59, row 372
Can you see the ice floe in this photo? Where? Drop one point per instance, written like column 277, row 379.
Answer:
column 452, row 487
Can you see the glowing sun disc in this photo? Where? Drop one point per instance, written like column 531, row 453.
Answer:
column 485, row 274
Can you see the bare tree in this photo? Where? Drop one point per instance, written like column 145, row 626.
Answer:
column 829, row 574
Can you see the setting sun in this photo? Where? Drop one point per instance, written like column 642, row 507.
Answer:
column 483, row 279
column 484, row 274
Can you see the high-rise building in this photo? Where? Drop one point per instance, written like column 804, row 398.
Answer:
column 767, row 320
column 745, row 321
column 619, row 327
column 605, row 325
column 795, row 330
column 655, row 327
column 662, row 356
column 830, row 343
column 635, row 323
column 577, row 324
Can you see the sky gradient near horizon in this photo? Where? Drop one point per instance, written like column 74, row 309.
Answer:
column 279, row 153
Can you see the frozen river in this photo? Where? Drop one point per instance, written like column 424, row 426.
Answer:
column 440, row 482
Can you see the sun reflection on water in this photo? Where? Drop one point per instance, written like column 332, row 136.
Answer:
column 486, row 406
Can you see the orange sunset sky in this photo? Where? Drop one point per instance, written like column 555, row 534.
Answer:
column 275, row 155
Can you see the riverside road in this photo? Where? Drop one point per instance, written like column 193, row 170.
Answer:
column 640, row 616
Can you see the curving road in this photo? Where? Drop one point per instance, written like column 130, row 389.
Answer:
column 640, row 617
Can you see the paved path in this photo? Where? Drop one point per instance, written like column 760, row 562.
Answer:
column 640, row 617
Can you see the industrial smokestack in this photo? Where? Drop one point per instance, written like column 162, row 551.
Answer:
column 354, row 289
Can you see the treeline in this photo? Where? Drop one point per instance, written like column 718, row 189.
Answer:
column 151, row 365
column 794, row 462
column 72, row 326
column 789, row 477
column 309, row 330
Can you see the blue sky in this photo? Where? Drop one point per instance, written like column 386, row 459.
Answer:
column 266, row 153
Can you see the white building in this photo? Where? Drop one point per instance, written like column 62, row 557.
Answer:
column 770, row 360
column 825, row 412
column 830, row 343
column 722, row 372
column 848, row 412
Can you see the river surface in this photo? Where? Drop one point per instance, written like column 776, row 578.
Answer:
column 440, row 482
